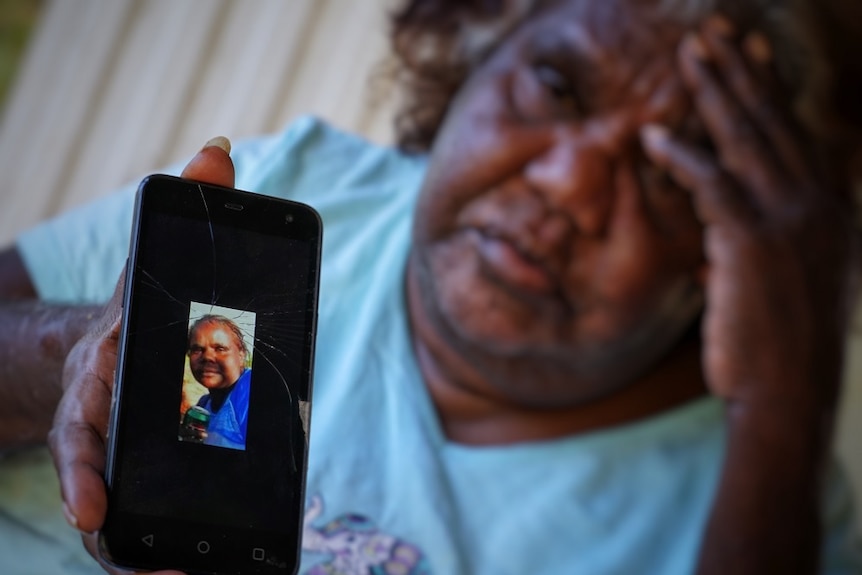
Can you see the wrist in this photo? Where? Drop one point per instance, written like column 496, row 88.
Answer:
column 34, row 344
column 786, row 436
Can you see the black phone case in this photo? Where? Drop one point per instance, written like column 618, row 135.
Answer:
column 212, row 509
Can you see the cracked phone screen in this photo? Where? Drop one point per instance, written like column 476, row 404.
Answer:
column 213, row 407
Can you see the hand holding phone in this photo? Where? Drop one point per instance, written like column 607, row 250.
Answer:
column 190, row 496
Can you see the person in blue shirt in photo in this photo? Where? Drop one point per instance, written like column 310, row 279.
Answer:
column 217, row 358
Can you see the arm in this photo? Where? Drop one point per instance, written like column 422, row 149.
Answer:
column 34, row 342
column 766, row 515
column 779, row 246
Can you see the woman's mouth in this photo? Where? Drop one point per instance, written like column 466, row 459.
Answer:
column 507, row 263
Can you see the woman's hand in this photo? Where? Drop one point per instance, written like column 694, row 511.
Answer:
column 78, row 438
column 778, row 231
column 779, row 246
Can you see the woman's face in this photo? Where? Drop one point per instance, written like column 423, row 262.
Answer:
column 216, row 358
column 548, row 251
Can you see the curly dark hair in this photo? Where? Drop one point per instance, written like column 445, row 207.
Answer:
column 817, row 44
column 437, row 44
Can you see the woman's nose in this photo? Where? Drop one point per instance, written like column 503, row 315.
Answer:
column 575, row 176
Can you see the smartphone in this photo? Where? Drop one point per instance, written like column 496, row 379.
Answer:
column 208, row 435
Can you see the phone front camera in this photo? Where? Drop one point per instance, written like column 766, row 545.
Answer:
column 288, row 218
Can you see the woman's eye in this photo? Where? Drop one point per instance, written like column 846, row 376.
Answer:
column 559, row 87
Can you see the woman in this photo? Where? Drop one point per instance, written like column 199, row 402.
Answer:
column 627, row 206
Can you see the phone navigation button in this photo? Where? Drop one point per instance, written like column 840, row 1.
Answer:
column 148, row 540
column 203, row 547
column 258, row 554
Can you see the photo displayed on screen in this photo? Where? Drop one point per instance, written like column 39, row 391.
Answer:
column 217, row 377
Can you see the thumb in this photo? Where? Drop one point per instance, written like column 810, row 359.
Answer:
column 212, row 165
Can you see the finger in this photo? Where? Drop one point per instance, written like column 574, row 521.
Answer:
column 669, row 206
column 106, row 328
column 77, row 440
column 753, row 83
column 715, row 197
column 719, row 38
column 212, row 165
column 739, row 144
column 77, row 444
column 630, row 205
column 89, row 372
column 79, row 456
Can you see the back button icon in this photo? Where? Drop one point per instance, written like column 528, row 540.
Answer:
column 148, row 540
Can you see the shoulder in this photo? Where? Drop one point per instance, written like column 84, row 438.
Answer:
column 313, row 162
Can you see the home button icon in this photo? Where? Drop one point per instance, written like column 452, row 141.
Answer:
column 203, row 547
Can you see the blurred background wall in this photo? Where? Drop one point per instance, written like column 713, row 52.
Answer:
column 110, row 90
column 107, row 91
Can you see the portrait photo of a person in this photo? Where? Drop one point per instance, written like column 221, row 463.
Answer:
column 218, row 358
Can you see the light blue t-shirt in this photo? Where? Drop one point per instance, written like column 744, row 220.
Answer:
column 387, row 492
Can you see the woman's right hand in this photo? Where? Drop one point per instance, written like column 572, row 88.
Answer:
column 78, row 438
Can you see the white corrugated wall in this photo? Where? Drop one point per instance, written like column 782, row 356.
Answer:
column 111, row 90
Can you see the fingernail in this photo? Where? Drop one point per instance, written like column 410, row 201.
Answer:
column 758, row 48
column 219, row 142
column 654, row 135
column 721, row 25
column 70, row 517
column 695, row 46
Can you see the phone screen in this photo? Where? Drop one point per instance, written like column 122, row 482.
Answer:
column 208, row 442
